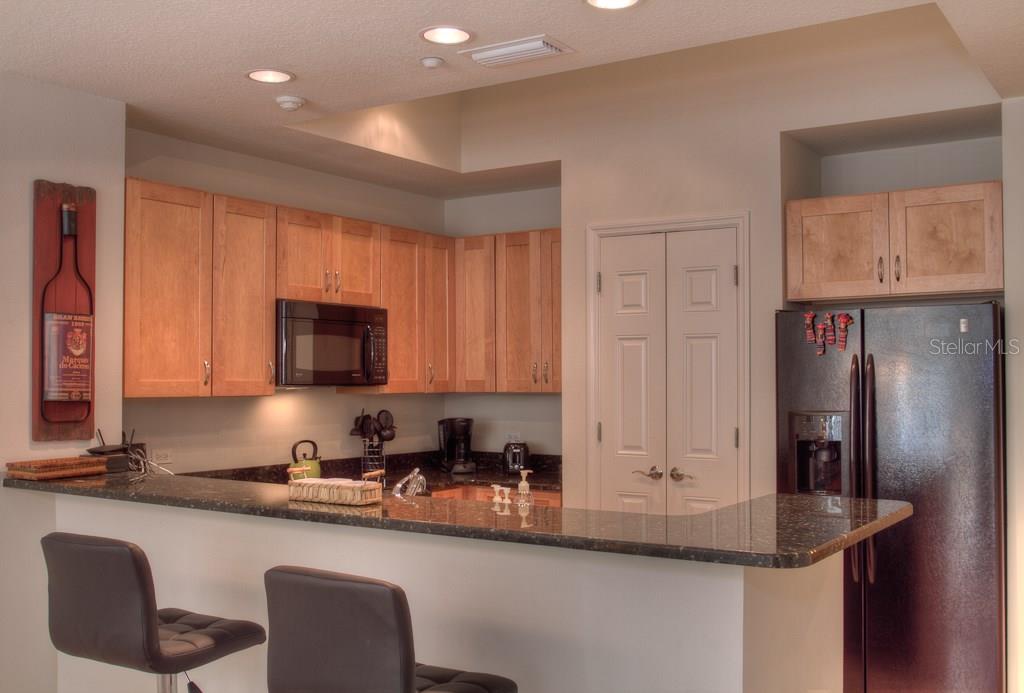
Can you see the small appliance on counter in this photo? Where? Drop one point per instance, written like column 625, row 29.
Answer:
column 516, row 455
column 454, row 439
column 309, row 466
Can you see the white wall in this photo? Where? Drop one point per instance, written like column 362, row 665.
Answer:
column 63, row 136
column 942, row 163
column 1013, row 250
column 537, row 418
column 513, row 211
column 697, row 132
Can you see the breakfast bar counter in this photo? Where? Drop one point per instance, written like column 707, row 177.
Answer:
column 558, row 599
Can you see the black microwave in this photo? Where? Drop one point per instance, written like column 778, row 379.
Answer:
column 329, row 344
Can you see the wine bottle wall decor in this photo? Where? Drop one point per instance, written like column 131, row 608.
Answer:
column 64, row 346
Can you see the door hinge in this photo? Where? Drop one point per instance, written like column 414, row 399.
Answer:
column 736, row 275
column 598, row 431
column 736, row 438
column 598, row 282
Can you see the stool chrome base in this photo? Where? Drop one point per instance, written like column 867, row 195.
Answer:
column 167, row 683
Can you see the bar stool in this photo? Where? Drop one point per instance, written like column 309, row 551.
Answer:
column 337, row 633
column 103, row 607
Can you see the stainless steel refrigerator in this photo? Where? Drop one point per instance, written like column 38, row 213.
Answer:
column 912, row 409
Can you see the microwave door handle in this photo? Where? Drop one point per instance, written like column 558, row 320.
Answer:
column 855, row 460
column 870, row 451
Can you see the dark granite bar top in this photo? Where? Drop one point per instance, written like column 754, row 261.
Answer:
column 774, row 531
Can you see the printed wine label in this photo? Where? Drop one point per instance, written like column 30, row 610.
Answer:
column 67, row 357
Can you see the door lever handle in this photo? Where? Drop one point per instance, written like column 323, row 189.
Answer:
column 652, row 473
column 679, row 475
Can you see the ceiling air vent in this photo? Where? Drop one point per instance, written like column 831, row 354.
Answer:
column 518, row 51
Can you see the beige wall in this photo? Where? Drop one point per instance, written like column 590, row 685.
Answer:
column 943, row 163
column 512, row 211
column 697, row 132
column 64, row 136
column 1013, row 239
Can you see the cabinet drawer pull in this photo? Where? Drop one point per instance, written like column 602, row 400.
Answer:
column 337, row 281
column 546, row 369
column 206, row 372
column 533, row 370
column 881, row 270
column 897, row 268
column 270, row 367
column 327, row 281
column 430, row 371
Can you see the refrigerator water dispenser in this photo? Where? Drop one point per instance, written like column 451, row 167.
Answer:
column 816, row 446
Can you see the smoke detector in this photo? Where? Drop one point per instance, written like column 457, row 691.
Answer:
column 290, row 103
column 517, row 51
column 431, row 62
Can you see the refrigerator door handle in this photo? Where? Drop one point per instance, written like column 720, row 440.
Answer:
column 870, row 451
column 855, row 459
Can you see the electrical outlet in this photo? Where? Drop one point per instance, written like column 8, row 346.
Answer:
column 162, row 456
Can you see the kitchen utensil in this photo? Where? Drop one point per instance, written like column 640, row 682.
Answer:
column 57, row 468
column 311, row 462
column 386, row 435
column 386, row 418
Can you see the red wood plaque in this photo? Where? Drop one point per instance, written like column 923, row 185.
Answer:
column 68, row 338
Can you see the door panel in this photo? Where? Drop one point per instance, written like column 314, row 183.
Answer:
column 837, row 247
column 167, row 290
column 631, row 368
column 474, row 314
column 518, row 325
column 402, row 289
column 934, row 611
column 439, row 295
column 304, row 253
column 356, row 261
column 947, row 239
column 244, row 242
column 551, row 309
column 703, row 388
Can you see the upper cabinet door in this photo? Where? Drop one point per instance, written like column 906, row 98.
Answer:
column 837, row 247
column 551, row 309
column 439, row 296
column 947, row 239
column 474, row 314
column 304, row 255
column 244, row 243
column 167, row 291
column 356, row 262
column 402, row 294
column 518, row 327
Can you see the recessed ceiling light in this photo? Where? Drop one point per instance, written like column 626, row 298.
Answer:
column 271, row 76
column 612, row 4
column 447, row 35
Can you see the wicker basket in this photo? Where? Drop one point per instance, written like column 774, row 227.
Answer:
column 335, row 491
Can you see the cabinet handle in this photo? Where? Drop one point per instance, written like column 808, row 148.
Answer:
column 546, row 369
column 430, row 371
column 897, row 268
column 327, row 281
column 206, row 372
column 881, row 270
column 270, row 367
column 533, row 370
column 337, row 281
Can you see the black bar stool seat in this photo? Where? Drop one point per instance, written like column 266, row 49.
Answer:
column 363, row 633
column 103, row 607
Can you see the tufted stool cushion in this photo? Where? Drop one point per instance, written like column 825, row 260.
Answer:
column 440, row 680
column 103, row 607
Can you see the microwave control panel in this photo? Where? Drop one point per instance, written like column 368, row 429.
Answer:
column 379, row 366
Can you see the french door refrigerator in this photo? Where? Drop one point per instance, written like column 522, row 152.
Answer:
column 911, row 410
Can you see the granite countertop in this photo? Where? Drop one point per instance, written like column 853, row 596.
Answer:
column 774, row 531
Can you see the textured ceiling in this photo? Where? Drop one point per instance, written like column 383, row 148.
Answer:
column 180, row 64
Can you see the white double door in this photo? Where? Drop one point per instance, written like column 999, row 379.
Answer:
column 668, row 383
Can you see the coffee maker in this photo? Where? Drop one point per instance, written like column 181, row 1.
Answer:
column 454, row 437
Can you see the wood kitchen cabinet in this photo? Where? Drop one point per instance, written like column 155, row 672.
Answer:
column 168, row 251
column 944, row 240
column 355, row 255
column 439, row 315
column 518, row 325
column 244, row 277
column 474, row 314
column 403, row 286
column 199, row 293
column 837, row 247
column 947, row 239
column 303, row 255
column 551, row 309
